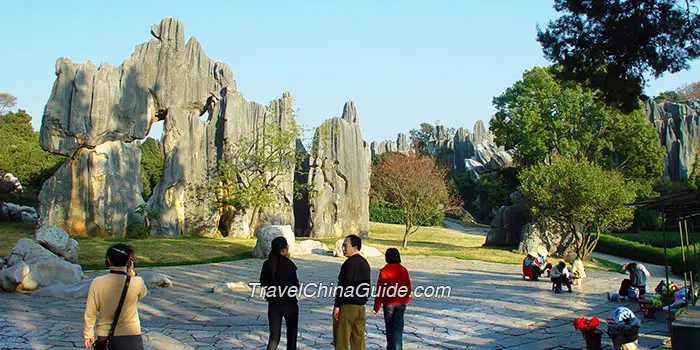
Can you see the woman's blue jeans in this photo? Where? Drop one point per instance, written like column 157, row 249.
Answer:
column 393, row 319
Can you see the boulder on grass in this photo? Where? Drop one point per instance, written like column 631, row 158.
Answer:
column 58, row 242
column 266, row 234
column 310, row 247
column 27, row 249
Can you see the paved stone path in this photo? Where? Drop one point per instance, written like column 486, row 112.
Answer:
column 472, row 230
column 490, row 307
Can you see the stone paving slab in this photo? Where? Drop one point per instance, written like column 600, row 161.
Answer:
column 490, row 307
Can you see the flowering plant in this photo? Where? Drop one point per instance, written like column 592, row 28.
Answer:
column 585, row 326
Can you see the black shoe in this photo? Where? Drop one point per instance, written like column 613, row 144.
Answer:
column 570, row 291
column 557, row 291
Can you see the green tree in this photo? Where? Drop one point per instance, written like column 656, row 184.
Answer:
column 582, row 195
column 413, row 184
column 21, row 154
column 252, row 172
column 612, row 45
column 542, row 116
column 152, row 158
column 667, row 96
column 421, row 138
column 7, row 101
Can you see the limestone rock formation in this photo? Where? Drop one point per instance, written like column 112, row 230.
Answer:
column 94, row 113
column 388, row 146
column 547, row 233
column 508, row 223
column 266, row 234
column 95, row 192
column 339, row 178
column 678, row 127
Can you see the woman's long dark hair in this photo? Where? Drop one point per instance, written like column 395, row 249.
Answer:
column 277, row 245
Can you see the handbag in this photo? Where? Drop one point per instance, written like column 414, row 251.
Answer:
column 108, row 343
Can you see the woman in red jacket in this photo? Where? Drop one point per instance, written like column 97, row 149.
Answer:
column 394, row 292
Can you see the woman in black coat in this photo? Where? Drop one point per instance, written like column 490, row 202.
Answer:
column 280, row 274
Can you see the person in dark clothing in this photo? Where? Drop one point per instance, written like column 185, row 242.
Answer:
column 638, row 279
column 351, row 297
column 279, row 280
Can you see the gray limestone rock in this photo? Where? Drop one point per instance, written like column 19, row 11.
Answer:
column 77, row 290
column 266, row 234
column 193, row 148
column 39, row 273
column 554, row 236
column 310, row 247
column 57, row 241
column 154, row 279
column 166, row 79
column 95, row 192
column 507, row 225
column 25, row 250
column 339, row 178
column 678, row 128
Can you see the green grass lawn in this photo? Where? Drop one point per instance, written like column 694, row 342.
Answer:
column 186, row 250
column 656, row 238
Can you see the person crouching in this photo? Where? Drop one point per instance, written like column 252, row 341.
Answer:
column 559, row 275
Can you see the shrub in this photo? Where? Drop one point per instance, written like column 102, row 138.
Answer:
column 613, row 245
column 137, row 230
column 647, row 220
column 379, row 212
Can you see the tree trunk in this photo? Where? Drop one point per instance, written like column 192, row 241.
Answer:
column 254, row 220
column 405, row 237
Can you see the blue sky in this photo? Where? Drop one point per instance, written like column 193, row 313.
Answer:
column 401, row 62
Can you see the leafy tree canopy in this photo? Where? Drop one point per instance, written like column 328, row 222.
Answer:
column 583, row 195
column 543, row 116
column 21, row 154
column 612, row 45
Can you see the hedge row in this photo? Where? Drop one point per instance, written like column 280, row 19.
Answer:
column 656, row 238
column 379, row 212
column 617, row 246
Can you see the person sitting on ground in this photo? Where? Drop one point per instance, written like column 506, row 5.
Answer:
column 578, row 271
column 530, row 268
column 542, row 261
column 637, row 280
column 560, row 274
